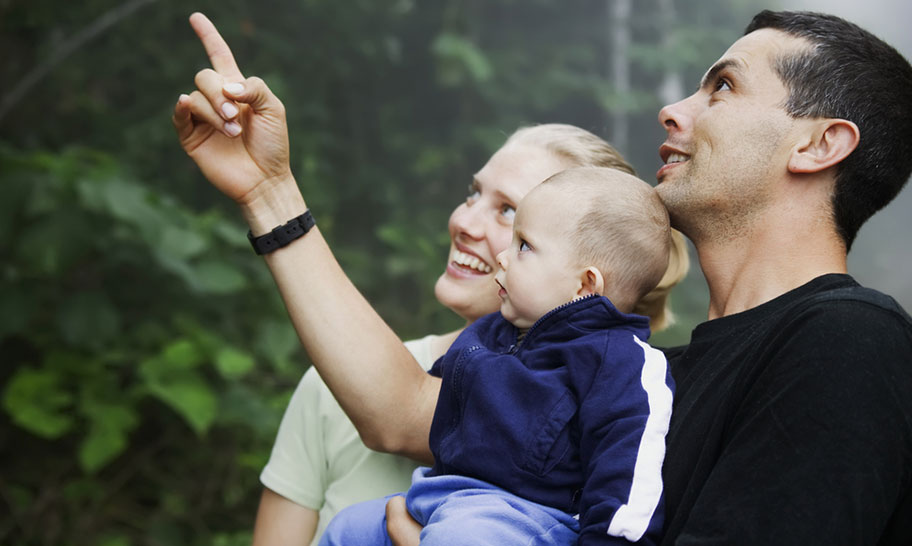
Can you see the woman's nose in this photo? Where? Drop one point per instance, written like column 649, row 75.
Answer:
column 467, row 220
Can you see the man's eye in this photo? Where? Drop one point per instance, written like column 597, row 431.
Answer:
column 508, row 212
column 524, row 246
column 722, row 85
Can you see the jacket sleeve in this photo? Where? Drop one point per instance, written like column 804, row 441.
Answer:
column 624, row 418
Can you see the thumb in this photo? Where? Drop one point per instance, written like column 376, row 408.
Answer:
column 255, row 93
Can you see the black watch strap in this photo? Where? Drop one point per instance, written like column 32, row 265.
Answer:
column 282, row 235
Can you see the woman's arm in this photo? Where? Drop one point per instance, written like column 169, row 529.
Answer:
column 242, row 149
column 280, row 522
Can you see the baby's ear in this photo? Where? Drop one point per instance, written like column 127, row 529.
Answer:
column 591, row 282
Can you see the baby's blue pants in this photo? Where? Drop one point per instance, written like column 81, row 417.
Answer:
column 456, row 510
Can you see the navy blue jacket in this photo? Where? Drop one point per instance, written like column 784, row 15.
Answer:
column 573, row 417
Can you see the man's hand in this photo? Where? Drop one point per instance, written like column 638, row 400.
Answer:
column 402, row 529
column 233, row 128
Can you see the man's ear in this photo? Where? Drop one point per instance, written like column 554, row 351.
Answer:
column 591, row 282
column 831, row 141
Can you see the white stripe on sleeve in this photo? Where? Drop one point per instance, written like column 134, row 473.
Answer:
column 632, row 519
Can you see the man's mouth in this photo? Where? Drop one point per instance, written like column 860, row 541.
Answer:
column 467, row 261
column 676, row 158
column 670, row 158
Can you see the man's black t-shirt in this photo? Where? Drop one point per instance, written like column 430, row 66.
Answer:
column 792, row 423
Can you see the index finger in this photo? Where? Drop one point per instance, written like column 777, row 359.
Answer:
column 216, row 47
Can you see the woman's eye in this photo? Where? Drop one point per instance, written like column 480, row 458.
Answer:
column 508, row 212
column 524, row 246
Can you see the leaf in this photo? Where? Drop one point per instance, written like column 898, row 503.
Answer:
column 109, row 426
column 231, row 233
column 181, row 354
column 190, row 397
column 129, row 202
column 100, row 446
column 277, row 340
column 35, row 400
column 233, row 363
column 245, row 408
column 180, row 243
column 460, row 59
column 216, row 277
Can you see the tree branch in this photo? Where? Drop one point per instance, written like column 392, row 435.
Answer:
column 66, row 49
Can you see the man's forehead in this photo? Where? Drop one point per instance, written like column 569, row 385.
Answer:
column 757, row 50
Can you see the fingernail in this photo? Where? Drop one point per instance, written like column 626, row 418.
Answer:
column 229, row 110
column 232, row 128
column 234, row 88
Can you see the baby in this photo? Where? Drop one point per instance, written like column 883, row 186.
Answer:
column 551, row 421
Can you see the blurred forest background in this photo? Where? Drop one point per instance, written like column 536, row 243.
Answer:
column 146, row 358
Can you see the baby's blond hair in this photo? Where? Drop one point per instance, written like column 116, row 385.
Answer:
column 621, row 229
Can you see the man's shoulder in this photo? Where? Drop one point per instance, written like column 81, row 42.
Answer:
column 833, row 315
column 857, row 306
column 857, row 294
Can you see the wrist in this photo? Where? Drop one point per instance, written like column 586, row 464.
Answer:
column 272, row 203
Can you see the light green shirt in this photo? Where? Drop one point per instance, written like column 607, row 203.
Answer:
column 318, row 460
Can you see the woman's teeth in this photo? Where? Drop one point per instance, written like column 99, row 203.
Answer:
column 467, row 260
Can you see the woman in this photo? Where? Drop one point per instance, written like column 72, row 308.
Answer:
column 318, row 462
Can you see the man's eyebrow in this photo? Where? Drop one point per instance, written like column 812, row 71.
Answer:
column 719, row 67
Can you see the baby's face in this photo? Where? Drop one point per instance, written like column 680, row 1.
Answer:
column 539, row 270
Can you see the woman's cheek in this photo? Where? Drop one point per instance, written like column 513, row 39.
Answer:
column 499, row 239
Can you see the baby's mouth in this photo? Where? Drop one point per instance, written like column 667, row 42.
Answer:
column 467, row 261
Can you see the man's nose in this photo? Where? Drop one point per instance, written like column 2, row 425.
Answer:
column 677, row 115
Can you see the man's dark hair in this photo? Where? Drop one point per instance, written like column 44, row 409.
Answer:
column 850, row 74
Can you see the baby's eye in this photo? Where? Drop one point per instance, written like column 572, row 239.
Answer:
column 508, row 212
column 524, row 246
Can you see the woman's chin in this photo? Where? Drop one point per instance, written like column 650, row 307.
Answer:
column 469, row 296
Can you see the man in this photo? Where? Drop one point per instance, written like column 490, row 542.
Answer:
column 792, row 421
column 793, row 417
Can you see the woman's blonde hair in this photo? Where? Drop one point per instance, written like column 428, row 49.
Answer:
column 580, row 148
column 655, row 304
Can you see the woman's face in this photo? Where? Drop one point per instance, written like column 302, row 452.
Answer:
column 481, row 227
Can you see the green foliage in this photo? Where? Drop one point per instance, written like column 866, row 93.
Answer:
column 118, row 307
